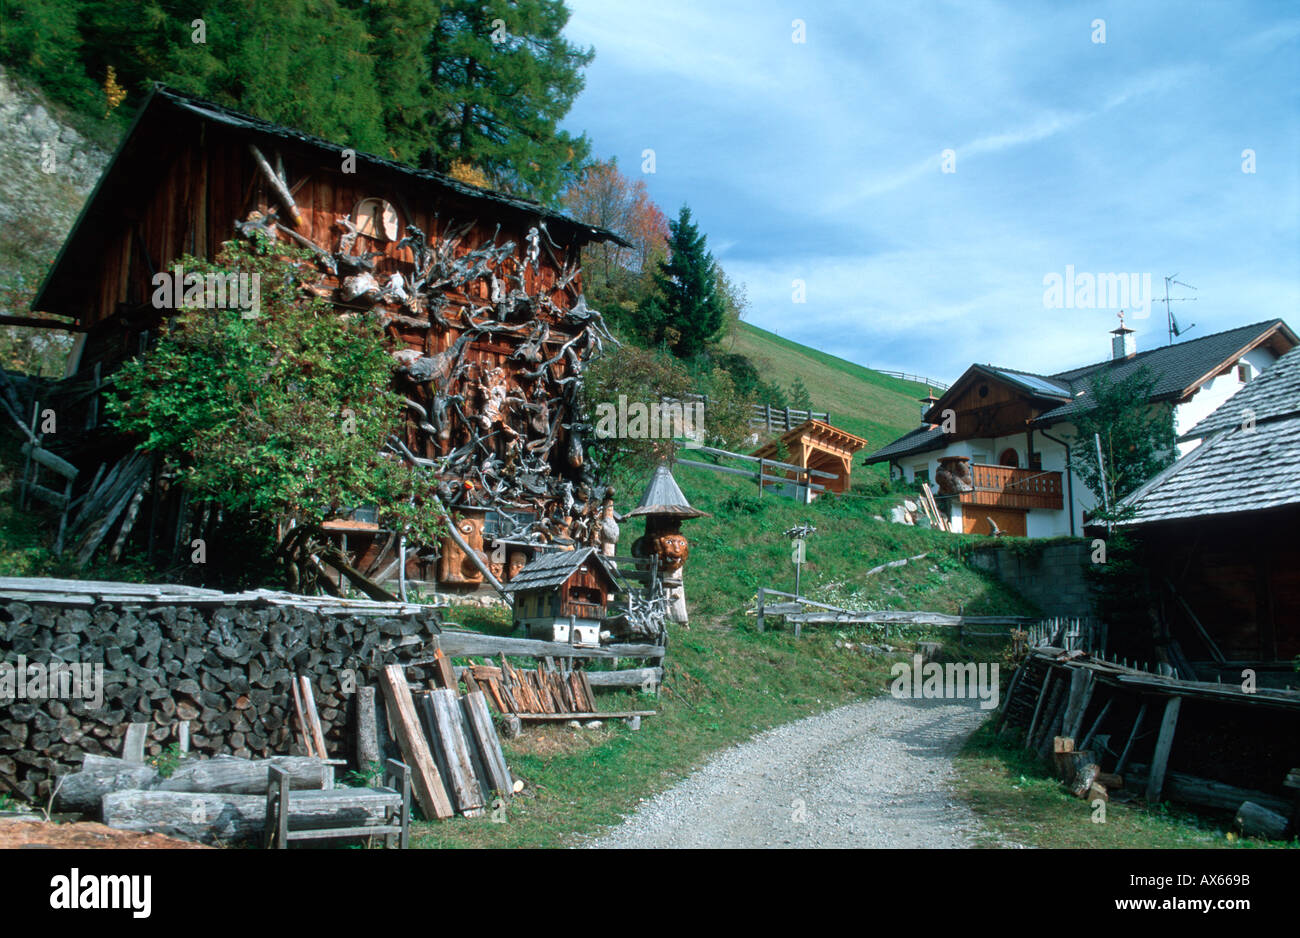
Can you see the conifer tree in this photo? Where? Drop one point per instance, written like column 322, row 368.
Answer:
column 686, row 310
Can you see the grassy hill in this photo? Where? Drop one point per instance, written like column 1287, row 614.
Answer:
column 862, row 401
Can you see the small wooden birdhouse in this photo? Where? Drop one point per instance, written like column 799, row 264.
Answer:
column 563, row 596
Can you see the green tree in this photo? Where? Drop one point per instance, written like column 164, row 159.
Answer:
column 303, row 63
column 278, row 418
column 1137, row 436
column 686, row 309
column 502, row 76
column 800, row 396
column 39, row 39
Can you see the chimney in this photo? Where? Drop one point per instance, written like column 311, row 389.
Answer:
column 929, row 401
column 1122, row 343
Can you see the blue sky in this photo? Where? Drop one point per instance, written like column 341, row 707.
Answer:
column 822, row 161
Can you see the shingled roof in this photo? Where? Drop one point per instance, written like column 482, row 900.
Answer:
column 553, row 568
column 1243, row 465
column 663, row 496
column 1274, row 394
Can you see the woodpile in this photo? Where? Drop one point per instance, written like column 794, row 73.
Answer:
column 551, row 690
column 449, row 742
column 221, row 667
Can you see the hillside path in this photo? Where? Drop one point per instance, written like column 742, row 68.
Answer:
column 870, row 774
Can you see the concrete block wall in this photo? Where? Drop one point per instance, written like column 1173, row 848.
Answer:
column 1051, row 575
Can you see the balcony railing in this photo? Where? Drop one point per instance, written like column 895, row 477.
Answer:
column 1004, row 487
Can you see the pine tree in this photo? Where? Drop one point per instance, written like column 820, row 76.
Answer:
column 502, row 76
column 686, row 310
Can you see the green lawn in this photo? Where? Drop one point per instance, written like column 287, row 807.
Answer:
column 862, row 401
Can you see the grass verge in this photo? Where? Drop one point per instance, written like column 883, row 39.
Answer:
column 1018, row 799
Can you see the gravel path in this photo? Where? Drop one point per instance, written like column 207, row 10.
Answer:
column 872, row 774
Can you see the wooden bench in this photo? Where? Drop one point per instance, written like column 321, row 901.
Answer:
column 356, row 808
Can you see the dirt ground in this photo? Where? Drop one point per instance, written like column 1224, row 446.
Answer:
column 33, row 835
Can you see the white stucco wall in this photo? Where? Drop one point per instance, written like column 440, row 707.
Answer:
column 1214, row 392
column 1039, row 522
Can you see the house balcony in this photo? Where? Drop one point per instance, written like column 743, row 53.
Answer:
column 1004, row 487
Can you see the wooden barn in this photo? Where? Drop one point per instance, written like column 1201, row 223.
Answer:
column 1218, row 528
column 563, row 596
column 480, row 293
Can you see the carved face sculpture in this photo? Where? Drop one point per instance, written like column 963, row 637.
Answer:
column 673, row 550
column 516, row 563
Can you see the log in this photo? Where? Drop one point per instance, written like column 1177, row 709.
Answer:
column 1208, row 793
column 212, row 819
column 229, row 775
column 277, row 186
column 1164, row 744
column 367, row 728
column 1254, row 820
column 83, row 791
column 1084, row 780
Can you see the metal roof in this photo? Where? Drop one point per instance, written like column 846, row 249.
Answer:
column 920, row 440
column 663, row 496
column 1176, row 368
column 553, row 568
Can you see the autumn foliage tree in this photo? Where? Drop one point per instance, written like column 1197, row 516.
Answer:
column 617, row 277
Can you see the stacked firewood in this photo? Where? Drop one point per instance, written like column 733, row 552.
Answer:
column 227, row 671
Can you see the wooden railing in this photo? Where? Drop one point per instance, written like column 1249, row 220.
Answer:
column 1004, row 487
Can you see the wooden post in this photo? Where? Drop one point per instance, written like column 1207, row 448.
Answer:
column 1096, row 724
column 760, row 477
column 1038, row 707
column 367, row 728
column 401, row 566
column 1011, row 692
column 761, row 595
column 1132, row 737
column 1164, row 743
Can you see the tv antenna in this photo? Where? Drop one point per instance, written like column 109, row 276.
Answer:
column 1176, row 330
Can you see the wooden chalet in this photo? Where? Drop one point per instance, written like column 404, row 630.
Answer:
column 563, row 596
column 479, row 292
column 1218, row 528
column 815, row 444
column 998, row 442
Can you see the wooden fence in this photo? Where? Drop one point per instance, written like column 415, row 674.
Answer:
column 799, row 477
column 797, row 615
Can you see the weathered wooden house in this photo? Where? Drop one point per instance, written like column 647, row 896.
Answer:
column 563, row 596
column 1218, row 532
column 480, row 293
column 999, row 441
